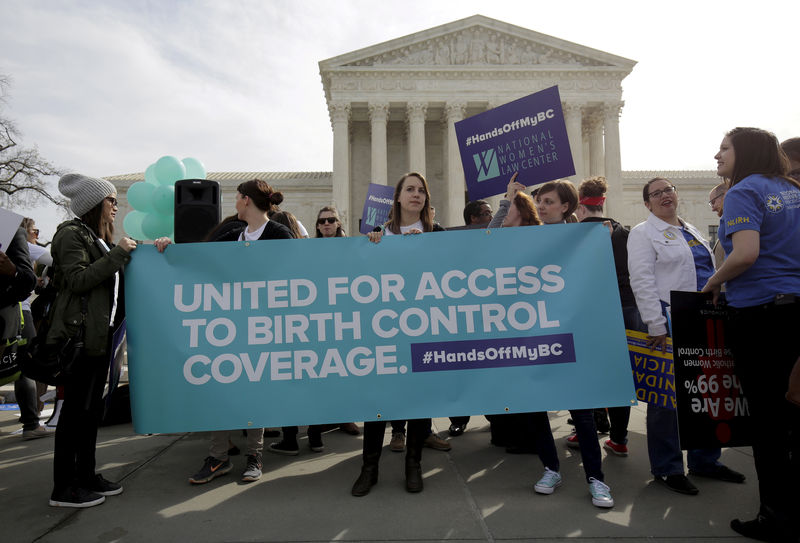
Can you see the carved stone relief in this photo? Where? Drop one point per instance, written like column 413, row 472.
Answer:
column 477, row 45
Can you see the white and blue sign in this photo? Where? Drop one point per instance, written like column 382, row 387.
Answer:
column 377, row 206
column 527, row 136
column 293, row 332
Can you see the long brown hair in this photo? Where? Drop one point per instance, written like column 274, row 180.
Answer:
column 426, row 216
column 757, row 151
column 94, row 220
column 289, row 221
column 526, row 208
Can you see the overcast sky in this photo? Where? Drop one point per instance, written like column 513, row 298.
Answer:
column 106, row 88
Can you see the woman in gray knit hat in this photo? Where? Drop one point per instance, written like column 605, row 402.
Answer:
column 88, row 276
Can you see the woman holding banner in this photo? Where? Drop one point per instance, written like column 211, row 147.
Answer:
column 410, row 214
column 255, row 201
column 667, row 253
column 89, row 281
column 559, row 200
column 556, row 202
column 759, row 231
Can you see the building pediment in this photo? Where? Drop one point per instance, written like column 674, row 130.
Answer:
column 481, row 42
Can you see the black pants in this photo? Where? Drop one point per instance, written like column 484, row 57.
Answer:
column 76, row 433
column 374, row 432
column 765, row 348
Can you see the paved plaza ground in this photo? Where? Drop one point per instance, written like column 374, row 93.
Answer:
column 475, row 492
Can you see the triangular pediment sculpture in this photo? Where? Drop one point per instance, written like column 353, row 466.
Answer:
column 477, row 41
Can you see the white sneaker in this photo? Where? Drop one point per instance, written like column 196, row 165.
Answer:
column 601, row 494
column 548, row 483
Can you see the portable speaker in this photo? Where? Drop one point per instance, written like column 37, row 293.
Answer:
column 197, row 209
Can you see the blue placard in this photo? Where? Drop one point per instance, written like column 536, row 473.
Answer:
column 526, row 136
column 291, row 332
column 377, row 206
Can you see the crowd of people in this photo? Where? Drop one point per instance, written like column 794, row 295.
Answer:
column 757, row 264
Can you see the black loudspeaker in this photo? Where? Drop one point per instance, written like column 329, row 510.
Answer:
column 197, row 209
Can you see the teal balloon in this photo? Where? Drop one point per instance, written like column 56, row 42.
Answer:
column 133, row 224
column 164, row 200
column 155, row 225
column 194, row 168
column 169, row 169
column 140, row 196
column 150, row 174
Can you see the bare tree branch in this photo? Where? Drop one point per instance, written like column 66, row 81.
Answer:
column 23, row 171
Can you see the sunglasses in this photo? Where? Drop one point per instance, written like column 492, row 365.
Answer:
column 112, row 200
column 329, row 220
column 35, row 231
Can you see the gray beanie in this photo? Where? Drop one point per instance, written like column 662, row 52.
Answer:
column 84, row 192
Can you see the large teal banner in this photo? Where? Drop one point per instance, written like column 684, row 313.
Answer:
column 293, row 332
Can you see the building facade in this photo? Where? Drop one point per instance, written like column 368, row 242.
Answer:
column 393, row 107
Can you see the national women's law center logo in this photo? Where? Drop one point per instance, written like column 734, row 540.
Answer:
column 774, row 203
column 486, row 164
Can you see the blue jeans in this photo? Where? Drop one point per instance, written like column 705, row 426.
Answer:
column 587, row 439
column 666, row 457
column 663, row 447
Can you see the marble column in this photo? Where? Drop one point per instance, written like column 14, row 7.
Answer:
column 415, row 112
column 613, row 162
column 596, row 152
column 340, row 190
column 454, row 171
column 586, row 147
column 573, row 117
column 378, row 117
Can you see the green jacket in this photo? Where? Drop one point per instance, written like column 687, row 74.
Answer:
column 81, row 269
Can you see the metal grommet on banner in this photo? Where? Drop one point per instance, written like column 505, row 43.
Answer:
column 633, row 402
column 247, row 244
column 507, row 410
column 379, row 416
column 249, row 423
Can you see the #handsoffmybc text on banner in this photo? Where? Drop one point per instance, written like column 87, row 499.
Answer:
column 292, row 332
column 526, row 136
column 377, row 206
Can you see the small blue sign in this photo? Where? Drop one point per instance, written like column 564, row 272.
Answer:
column 527, row 136
column 376, row 207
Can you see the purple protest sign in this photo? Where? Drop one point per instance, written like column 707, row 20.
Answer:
column 492, row 353
column 526, row 136
column 376, row 207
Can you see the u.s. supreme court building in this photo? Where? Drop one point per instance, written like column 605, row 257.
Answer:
column 393, row 107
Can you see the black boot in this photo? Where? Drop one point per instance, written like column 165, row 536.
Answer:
column 368, row 476
column 414, row 442
column 373, row 443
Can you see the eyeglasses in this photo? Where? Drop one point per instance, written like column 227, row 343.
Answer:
column 714, row 199
column 329, row 220
column 659, row 193
column 487, row 213
column 112, row 200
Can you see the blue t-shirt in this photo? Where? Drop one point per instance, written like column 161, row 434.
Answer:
column 703, row 265
column 770, row 206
